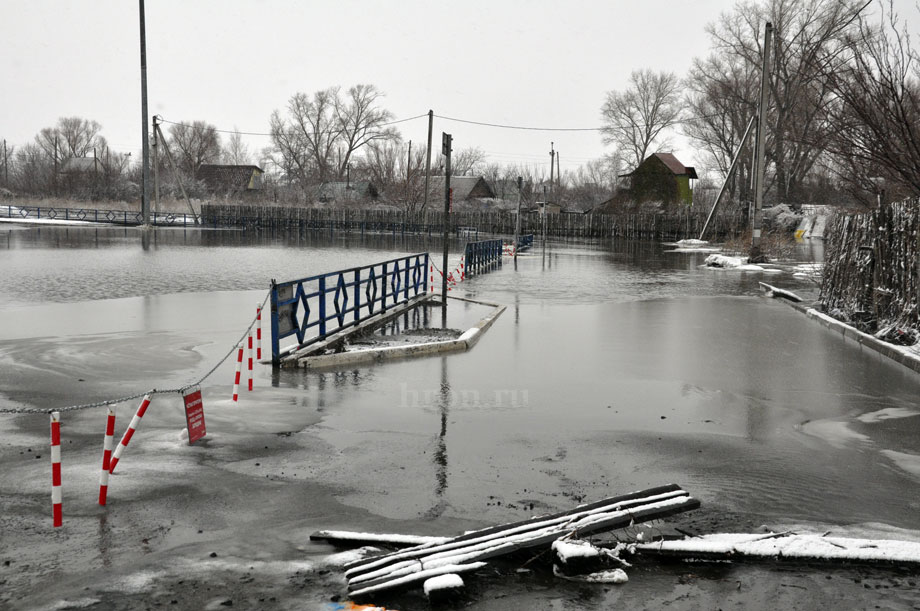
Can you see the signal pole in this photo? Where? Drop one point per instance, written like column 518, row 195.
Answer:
column 145, row 190
column 446, row 149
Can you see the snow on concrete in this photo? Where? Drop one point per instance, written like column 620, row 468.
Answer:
column 692, row 242
column 735, row 263
column 889, row 413
column 35, row 221
column 912, row 352
column 802, row 546
column 616, row 576
column 566, row 549
column 442, row 582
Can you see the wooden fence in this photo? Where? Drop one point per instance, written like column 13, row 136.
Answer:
column 665, row 226
column 871, row 266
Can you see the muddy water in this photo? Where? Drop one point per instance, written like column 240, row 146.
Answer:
column 616, row 366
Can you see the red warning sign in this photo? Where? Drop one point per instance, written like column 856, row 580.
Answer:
column 194, row 414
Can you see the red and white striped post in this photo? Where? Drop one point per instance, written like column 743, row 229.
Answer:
column 106, row 455
column 126, row 438
column 236, row 378
column 431, row 277
column 250, row 360
column 259, row 332
column 57, row 512
column 462, row 270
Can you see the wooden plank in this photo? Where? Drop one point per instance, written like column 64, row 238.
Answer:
column 391, row 570
column 790, row 547
column 345, row 538
column 626, row 500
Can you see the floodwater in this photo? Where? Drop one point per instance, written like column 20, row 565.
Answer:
column 616, row 366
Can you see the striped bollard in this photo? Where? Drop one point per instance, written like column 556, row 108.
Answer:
column 57, row 511
column 431, row 277
column 236, row 378
column 250, row 361
column 462, row 270
column 126, row 438
column 259, row 333
column 106, row 456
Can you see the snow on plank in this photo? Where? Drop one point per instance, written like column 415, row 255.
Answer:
column 787, row 546
column 406, row 566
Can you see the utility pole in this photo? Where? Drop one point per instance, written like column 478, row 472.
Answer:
column 408, row 173
column 756, row 255
column 446, row 149
column 145, row 190
column 6, row 165
column 156, row 171
column 517, row 222
column 552, row 184
column 728, row 176
column 428, row 158
column 175, row 170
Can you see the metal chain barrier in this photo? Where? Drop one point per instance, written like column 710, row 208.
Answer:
column 153, row 391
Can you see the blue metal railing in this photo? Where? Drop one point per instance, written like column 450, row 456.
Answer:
column 114, row 217
column 316, row 307
column 482, row 256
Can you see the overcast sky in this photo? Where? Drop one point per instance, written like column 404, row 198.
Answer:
column 536, row 63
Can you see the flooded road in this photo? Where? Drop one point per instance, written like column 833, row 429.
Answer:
column 617, row 366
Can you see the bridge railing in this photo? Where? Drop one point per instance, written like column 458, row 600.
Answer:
column 525, row 241
column 92, row 215
column 482, row 256
column 313, row 308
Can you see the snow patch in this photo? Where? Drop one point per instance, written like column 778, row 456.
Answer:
column 834, row 432
column 349, row 556
column 443, row 582
column 889, row 413
column 692, row 242
column 727, row 262
column 80, row 603
column 909, row 463
column 574, row 549
column 616, row 576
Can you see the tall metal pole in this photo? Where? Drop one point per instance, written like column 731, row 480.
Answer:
column 428, row 158
column 552, row 184
column 517, row 222
column 408, row 173
column 156, row 172
column 756, row 255
column 446, row 149
column 145, row 191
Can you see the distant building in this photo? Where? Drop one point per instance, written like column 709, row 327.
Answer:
column 660, row 178
column 344, row 192
column 465, row 189
column 231, row 179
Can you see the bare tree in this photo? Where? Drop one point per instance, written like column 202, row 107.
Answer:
column 808, row 44
column 319, row 135
column 193, row 145
column 638, row 117
column 235, row 152
column 876, row 143
column 469, row 161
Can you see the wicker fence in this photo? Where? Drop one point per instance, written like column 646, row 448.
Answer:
column 672, row 226
column 871, row 266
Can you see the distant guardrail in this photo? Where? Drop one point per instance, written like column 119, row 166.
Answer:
column 92, row 215
column 313, row 308
column 483, row 256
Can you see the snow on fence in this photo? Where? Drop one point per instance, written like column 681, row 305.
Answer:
column 871, row 267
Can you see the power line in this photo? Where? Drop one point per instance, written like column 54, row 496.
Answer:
column 325, row 132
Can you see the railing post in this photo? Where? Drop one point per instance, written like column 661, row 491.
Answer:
column 276, row 351
column 406, row 283
column 357, row 299
column 383, row 293
column 322, row 306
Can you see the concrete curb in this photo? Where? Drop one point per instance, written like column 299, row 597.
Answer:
column 899, row 354
column 467, row 340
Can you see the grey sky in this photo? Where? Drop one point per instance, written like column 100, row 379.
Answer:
column 231, row 62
